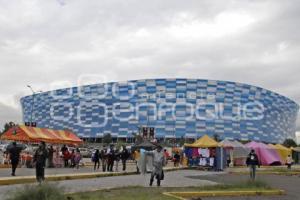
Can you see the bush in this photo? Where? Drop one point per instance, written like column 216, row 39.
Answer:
column 38, row 192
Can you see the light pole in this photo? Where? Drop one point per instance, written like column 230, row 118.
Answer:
column 32, row 105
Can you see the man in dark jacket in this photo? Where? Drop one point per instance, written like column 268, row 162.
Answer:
column 39, row 159
column 96, row 159
column 252, row 161
column 124, row 157
column 14, row 155
column 110, row 159
column 103, row 155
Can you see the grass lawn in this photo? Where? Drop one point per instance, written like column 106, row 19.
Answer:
column 154, row 193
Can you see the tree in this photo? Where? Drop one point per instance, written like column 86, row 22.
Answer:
column 138, row 138
column 217, row 137
column 289, row 143
column 120, row 144
column 181, row 141
column 7, row 126
column 107, row 139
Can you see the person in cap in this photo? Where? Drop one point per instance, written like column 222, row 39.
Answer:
column 14, row 156
column 39, row 159
column 158, row 164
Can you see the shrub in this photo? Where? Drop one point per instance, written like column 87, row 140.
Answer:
column 38, row 192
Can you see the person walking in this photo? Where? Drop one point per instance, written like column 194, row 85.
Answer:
column 124, row 157
column 77, row 158
column 14, row 156
column 72, row 158
column 136, row 157
column 50, row 156
column 110, row 159
column 167, row 155
column 289, row 162
column 117, row 158
column 104, row 159
column 66, row 156
column 39, row 159
column 252, row 161
column 176, row 159
column 96, row 159
column 158, row 163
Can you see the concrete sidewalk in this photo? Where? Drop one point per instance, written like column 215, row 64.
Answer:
column 72, row 174
column 88, row 168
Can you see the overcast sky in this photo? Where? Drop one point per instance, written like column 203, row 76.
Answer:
column 59, row 43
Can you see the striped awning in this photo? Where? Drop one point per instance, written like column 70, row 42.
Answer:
column 33, row 134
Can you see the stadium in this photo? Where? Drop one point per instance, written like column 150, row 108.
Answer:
column 171, row 108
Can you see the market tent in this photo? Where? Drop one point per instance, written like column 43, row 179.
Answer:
column 282, row 151
column 204, row 142
column 226, row 144
column 238, row 152
column 266, row 155
column 242, row 151
column 33, row 134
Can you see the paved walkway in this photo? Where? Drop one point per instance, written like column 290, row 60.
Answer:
column 172, row 179
column 5, row 172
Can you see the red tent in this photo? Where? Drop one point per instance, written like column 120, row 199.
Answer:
column 33, row 134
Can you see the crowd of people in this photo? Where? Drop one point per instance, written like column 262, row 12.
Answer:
column 110, row 158
column 106, row 159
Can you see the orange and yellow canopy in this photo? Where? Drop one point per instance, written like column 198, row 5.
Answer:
column 204, row 142
column 33, row 134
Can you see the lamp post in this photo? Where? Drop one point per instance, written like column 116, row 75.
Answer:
column 32, row 105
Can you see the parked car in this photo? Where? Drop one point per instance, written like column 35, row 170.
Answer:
column 3, row 147
column 86, row 153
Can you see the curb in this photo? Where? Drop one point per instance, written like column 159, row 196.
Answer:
column 218, row 193
column 268, row 173
column 63, row 177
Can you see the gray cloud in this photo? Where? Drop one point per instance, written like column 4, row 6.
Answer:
column 8, row 114
column 254, row 42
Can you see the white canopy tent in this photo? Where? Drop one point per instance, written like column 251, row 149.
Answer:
column 237, row 151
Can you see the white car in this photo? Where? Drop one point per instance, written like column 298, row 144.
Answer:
column 3, row 147
column 85, row 152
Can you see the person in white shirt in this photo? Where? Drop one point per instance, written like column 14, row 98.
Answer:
column 289, row 162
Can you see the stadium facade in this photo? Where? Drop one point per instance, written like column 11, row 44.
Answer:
column 175, row 108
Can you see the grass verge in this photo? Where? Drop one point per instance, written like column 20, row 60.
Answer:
column 154, row 193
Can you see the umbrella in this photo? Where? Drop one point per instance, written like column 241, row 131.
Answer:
column 147, row 145
column 19, row 146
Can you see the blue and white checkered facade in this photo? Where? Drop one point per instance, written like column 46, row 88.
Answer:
column 175, row 107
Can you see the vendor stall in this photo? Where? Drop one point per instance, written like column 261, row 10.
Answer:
column 282, row 151
column 205, row 152
column 27, row 134
column 31, row 135
column 236, row 151
column 266, row 154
